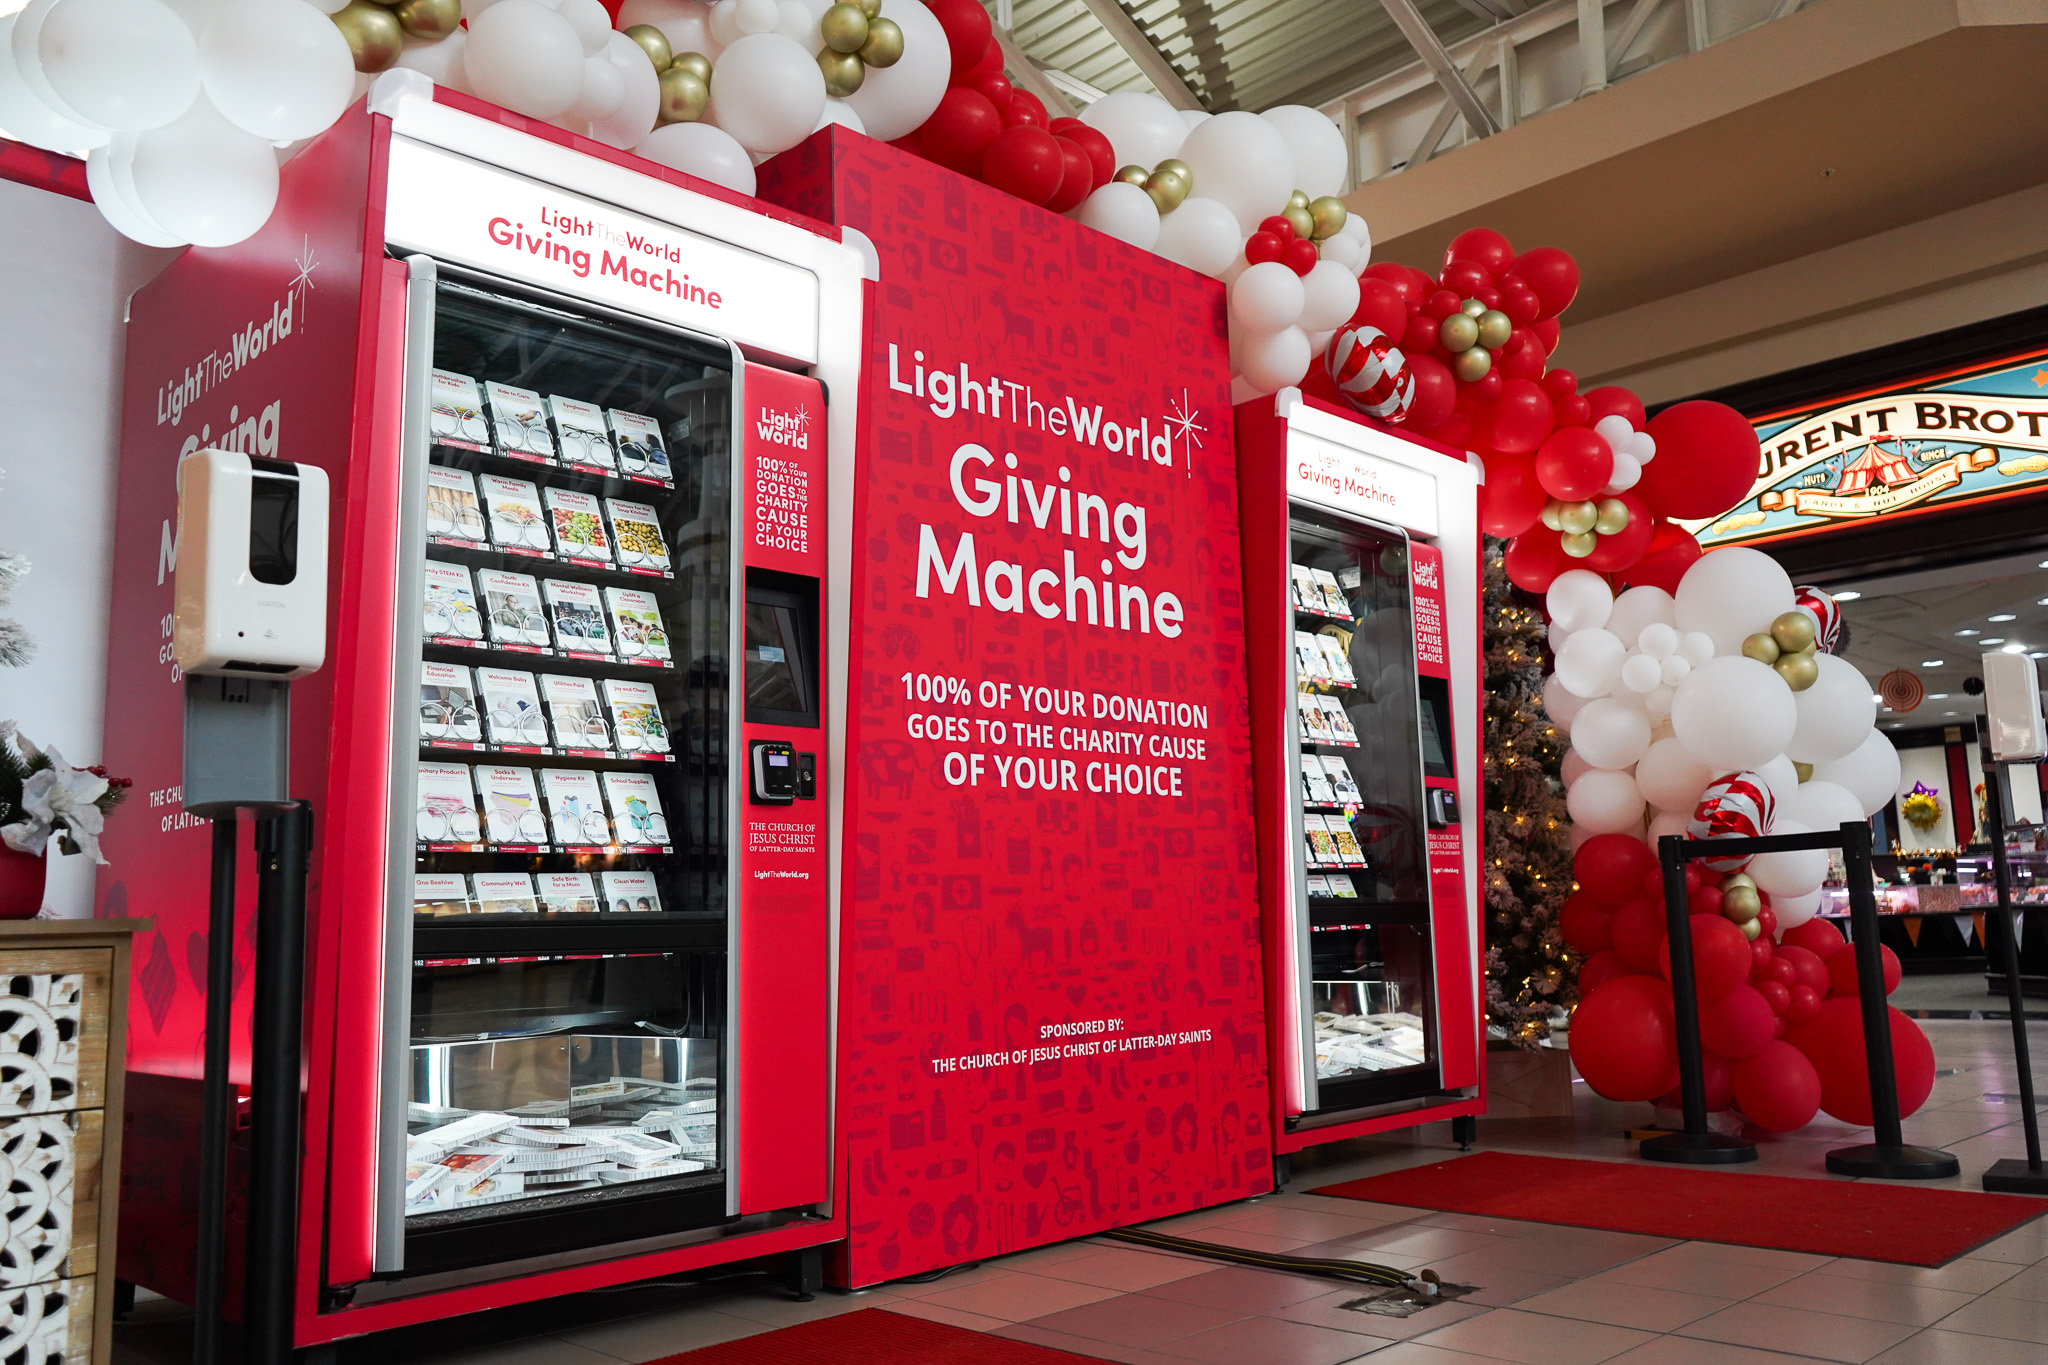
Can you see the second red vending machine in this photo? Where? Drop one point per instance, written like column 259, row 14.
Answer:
column 1362, row 575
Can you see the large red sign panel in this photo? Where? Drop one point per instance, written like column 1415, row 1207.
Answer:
column 1050, row 959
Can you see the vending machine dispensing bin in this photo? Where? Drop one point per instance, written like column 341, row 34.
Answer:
column 1362, row 584
column 570, row 1006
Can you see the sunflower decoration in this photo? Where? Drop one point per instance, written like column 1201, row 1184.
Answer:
column 1922, row 807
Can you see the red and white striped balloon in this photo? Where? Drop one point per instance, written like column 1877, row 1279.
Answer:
column 1371, row 372
column 1827, row 616
column 1734, row 806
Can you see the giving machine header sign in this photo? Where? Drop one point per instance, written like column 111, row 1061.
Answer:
column 1050, row 954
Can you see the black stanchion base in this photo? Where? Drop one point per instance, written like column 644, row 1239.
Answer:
column 2014, row 1176
column 1697, row 1149
column 1904, row 1162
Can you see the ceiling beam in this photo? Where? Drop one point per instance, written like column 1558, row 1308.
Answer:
column 1427, row 46
column 1125, row 33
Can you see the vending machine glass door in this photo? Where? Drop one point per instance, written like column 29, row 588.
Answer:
column 1361, row 878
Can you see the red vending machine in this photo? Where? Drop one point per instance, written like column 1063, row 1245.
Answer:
column 570, row 1014
column 1362, row 587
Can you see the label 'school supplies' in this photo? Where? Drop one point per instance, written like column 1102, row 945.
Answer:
column 637, row 816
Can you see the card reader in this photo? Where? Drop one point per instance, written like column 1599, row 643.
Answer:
column 773, row 768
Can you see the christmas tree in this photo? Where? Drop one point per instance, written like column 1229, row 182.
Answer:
column 1529, row 970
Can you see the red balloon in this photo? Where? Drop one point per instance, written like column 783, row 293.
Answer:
column 1767, row 925
column 1718, row 1075
column 1602, row 966
column 1611, row 867
column 1573, row 411
column 1574, row 464
column 1261, row 247
column 968, row 32
column 1706, row 901
column 1300, row 256
column 1408, row 283
column 1441, row 304
column 1842, row 977
column 1623, row 1040
column 1464, row 278
column 995, row 85
column 1638, row 935
column 1076, row 181
column 1737, row 1025
column 1805, row 1003
column 1510, row 501
column 960, row 129
column 1560, row 383
column 1611, row 400
column 1435, row 393
column 1380, row 306
column 1807, row 969
column 1760, row 950
column 1420, row 338
column 1653, row 883
column 1818, row 936
column 1720, row 957
column 1546, row 331
column 1833, row 1042
column 1553, row 274
column 1782, row 970
column 1672, row 551
column 1519, row 302
column 1534, row 560
column 1482, row 246
column 1026, row 162
column 1025, row 110
column 1486, row 390
column 1487, row 295
column 1521, row 358
column 1618, row 552
column 1706, row 460
column 1778, row 1088
column 1279, row 226
column 991, row 60
column 1101, row 155
column 1520, row 418
column 1776, row 993
column 1584, row 923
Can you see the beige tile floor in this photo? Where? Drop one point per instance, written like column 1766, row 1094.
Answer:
column 1545, row 1295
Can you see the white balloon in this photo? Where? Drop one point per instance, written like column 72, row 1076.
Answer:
column 724, row 22
column 1823, row 805
column 1733, row 712
column 590, row 19
column 1639, row 607
column 1243, row 163
column 604, row 90
column 1576, row 837
column 441, row 61
column 1572, row 768
column 1611, row 734
column 1332, row 296
column 841, row 113
column 1796, row 873
column 1793, row 911
column 1201, row 234
column 1835, row 713
column 203, row 179
column 1657, row 640
column 1640, row 673
column 1316, row 146
column 1560, row 703
column 1780, row 776
column 1676, row 670
column 795, row 22
column 123, row 64
column 1657, row 701
column 277, row 68
column 700, row 149
column 1666, row 822
column 1191, row 117
column 1732, row 593
column 1870, row 773
column 1589, row 664
column 1123, row 211
column 1670, row 777
column 127, row 218
column 1579, row 599
column 1266, row 298
column 1606, row 803
column 1625, row 475
column 1143, row 129
column 752, row 17
column 470, row 8
column 1344, row 251
column 767, row 92
column 894, row 100
column 1615, row 430
column 1642, row 447
column 1273, row 360
column 27, row 116
column 523, row 55
column 640, row 98
column 685, row 23
column 1696, row 647
column 1356, row 229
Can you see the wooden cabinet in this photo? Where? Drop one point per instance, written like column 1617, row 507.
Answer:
column 63, row 1017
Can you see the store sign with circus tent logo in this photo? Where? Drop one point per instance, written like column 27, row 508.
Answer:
column 1977, row 435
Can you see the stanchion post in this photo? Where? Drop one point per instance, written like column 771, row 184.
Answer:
column 283, row 843
column 1695, row 1146
column 2011, row 1175
column 1889, row 1157
column 216, row 1098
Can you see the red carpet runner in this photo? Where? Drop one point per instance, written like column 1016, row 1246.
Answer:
column 875, row 1336
column 1868, row 1221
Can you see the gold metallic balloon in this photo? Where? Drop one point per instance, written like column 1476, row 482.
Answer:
column 696, row 63
column 1329, row 214
column 1805, row 770
column 1613, row 517
column 884, row 46
column 844, row 72
column 1472, row 308
column 1741, row 903
column 1472, row 365
column 1495, row 327
column 1798, row 670
column 1761, row 647
column 844, row 27
column 375, row 37
column 1552, row 510
column 654, row 43
column 1578, row 544
column 1577, row 518
column 1794, row 631
column 1168, row 188
column 683, row 97
column 434, row 19
column 1133, row 174
column 1303, row 222
column 871, row 8
column 1751, row 929
column 1458, row 332
column 1174, row 166
column 1735, row 879
column 1298, row 200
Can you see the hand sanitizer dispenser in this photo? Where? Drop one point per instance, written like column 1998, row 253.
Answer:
column 251, row 588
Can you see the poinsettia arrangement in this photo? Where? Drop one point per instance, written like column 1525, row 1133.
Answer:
column 43, row 798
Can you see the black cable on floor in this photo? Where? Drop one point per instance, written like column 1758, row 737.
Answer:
column 1329, row 1268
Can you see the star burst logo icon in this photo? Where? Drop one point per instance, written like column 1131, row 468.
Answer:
column 302, row 283
column 1184, row 418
